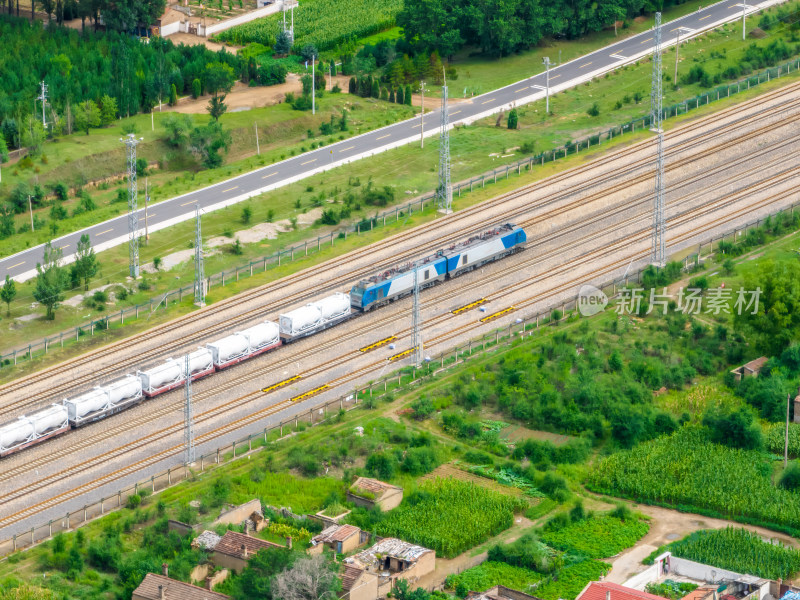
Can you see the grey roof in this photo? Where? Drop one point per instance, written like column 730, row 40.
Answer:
column 207, row 540
column 391, row 547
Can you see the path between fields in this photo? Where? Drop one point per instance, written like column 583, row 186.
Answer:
column 667, row 525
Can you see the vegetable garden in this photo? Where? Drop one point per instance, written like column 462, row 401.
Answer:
column 684, row 469
column 324, row 23
column 491, row 573
column 450, row 516
column 739, row 550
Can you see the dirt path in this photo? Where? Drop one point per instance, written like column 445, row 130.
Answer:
column 471, row 558
column 667, row 525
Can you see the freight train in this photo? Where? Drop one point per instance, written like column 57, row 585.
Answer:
column 378, row 290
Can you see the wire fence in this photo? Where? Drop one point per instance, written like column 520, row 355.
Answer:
column 366, row 395
column 103, row 324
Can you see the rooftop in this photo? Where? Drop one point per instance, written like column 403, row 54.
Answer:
column 500, row 592
column 481, row 237
column 349, row 577
column 596, row 590
column 207, row 540
column 173, row 590
column 374, row 486
column 232, row 542
column 336, row 533
column 391, row 547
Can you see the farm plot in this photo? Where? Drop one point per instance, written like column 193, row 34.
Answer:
column 739, row 550
column 687, row 471
column 324, row 23
column 450, row 471
column 450, row 516
column 598, row 536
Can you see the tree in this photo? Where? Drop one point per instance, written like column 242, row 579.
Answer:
column 407, row 96
column 283, row 43
column 33, row 137
column 125, row 15
column 247, row 215
column 207, row 142
column 51, row 280
column 309, row 579
column 734, row 428
column 178, row 128
column 197, row 88
column 399, row 95
column 352, row 87
column 3, row 149
column 173, row 95
column 108, row 109
column 7, row 294
column 6, row 221
column 218, row 77
column 258, row 577
column 309, row 52
column 217, row 107
column 512, row 118
column 86, row 263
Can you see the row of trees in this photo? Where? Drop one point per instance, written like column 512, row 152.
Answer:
column 119, row 15
column 367, row 87
column 500, row 27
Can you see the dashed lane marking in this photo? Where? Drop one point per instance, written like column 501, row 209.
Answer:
column 16, row 265
column 188, row 203
column 270, row 175
column 308, row 162
column 102, row 232
column 230, row 189
column 385, row 136
column 346, row 149
column 585, row 64
column 645, row 41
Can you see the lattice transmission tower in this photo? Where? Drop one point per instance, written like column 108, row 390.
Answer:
column 133, row 220
column 188, row 417
column 444, row 193
column 199, row 276
column 659, row 252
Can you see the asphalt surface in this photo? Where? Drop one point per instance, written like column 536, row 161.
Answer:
column 21, row 266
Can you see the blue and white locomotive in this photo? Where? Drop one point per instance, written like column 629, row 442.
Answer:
column 445, row 264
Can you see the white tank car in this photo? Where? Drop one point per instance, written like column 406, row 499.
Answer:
column 261, row 335
column 229, row 348
column 334, row 306
column 46, row 419
column 122, row 390
column 162, row 376
column 15, row 433
column 200, row 360
column 78, row 408
column 301, row 319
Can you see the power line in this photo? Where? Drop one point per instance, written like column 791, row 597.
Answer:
column 133, row 220
column 659, row 253
column 444, row 193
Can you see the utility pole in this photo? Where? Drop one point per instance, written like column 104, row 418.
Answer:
column 547, row 63
column 133, row 220
column 43, row 97
column 30, row 208
column 258, row 148
column 146, row 202
column 444, row 193
column 199, row 276
column 677, row 51
column 416, row 331
column 744, row 18
column 313, row 88
column 188, row 434
column 422, row 116
column 786, row 438
column 659, row 221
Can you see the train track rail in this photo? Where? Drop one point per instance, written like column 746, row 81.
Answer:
column 59, row 390
column 608, row 250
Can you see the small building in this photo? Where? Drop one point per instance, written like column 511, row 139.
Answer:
column 500, row 592
column 160, row 587
column 234, row 549
column 207, row 540
column 368, row 492
column 392, row 559
column 248, row 514
column 358, row 584
column 605, row 590
column 751, row 369
column 342, row 539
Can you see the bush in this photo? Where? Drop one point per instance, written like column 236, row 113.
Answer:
column 594, row 110
column 197, row 88
column 790, row 478
column 134, row 500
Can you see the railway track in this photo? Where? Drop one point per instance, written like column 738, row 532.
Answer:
column 608, row 250
column 59, row 390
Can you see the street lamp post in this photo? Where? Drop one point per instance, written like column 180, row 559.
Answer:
column 546, row 61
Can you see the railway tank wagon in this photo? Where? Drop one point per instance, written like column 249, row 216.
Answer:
column 397, row 282
column 104, row 401
column 314, row 317
column 484, row 248
column 171, row 373
column 244, row 344
column 33, row 428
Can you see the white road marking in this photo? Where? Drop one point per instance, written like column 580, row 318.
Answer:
column 618, row 56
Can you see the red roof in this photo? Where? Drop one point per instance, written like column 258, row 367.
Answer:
column 596, row 590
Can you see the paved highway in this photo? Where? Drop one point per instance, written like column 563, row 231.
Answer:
column 21, row 266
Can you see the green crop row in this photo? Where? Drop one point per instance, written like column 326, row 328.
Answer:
column 598, row 536
column 324, row 23
column 450, row 516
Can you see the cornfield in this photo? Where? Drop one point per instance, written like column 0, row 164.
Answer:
column 598, row 536
column 685, row 469
column 775, row 439
column 739, row 550
column 450, row 516
column 324, row 23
